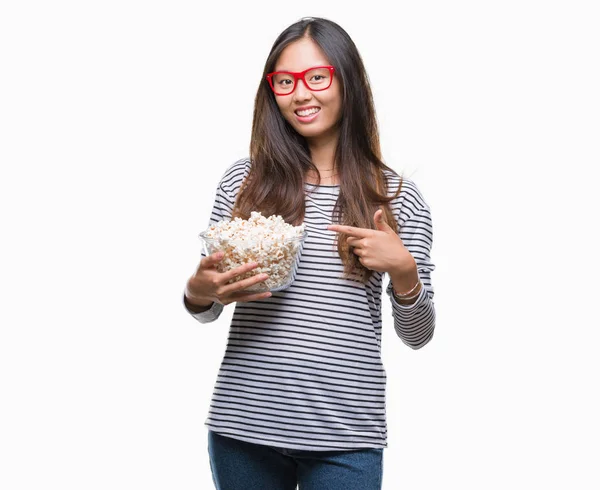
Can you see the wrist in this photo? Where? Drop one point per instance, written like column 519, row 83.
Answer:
column 194, row 301
column 404, row 264
column 409, row 298
column 406, row 285
column 193, row 308
column 404, row 276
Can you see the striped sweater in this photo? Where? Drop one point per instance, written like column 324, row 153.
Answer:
column 302, row 369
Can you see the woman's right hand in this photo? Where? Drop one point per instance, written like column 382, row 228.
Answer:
column 208, row 285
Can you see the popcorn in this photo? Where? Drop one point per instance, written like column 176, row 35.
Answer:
column 270, row 242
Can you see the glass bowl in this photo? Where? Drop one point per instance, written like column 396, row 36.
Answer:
column 277, row 258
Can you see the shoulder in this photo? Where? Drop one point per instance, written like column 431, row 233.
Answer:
column 234, row 175
column 410, row 199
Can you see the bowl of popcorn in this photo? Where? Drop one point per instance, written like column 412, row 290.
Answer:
column 276, row 246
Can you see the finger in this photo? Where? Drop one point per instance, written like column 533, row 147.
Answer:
column 244, row 283
column 357, row 251
column 354, row 241
column 351, row 230
column 211, row 260
column 238, row 271
column 254, row 297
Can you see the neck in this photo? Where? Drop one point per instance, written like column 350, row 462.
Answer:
column 322, row 155
column 322, row 152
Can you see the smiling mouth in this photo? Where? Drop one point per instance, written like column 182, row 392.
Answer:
column 308, row 112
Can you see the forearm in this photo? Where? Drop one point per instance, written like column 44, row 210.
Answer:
column 208, row 311
column 414, row 318
column 414, row 323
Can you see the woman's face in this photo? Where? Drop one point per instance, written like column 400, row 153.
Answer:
column 297, row 57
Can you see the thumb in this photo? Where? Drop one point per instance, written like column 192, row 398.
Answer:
column 379, row 222
column 211, row 260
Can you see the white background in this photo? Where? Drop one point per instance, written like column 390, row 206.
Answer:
column 119, row 117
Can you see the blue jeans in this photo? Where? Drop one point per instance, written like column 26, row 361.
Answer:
column 240, row 465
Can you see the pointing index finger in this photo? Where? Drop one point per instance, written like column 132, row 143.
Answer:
column 351, row 230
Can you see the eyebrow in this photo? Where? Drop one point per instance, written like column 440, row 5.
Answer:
column 299, row 71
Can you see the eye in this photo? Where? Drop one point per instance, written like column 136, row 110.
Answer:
column 283, row 80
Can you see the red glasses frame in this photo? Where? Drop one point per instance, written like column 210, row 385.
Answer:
column 300, row 76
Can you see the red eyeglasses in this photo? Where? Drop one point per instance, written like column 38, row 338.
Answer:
column 316, row 79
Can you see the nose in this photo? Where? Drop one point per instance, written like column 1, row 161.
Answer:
column 301, row 92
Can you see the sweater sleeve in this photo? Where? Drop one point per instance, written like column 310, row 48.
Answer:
column 415, row 323
column 222, row 209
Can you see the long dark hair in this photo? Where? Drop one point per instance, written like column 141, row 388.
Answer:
column 281, row 159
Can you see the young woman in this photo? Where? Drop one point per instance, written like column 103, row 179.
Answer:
column 300, row 395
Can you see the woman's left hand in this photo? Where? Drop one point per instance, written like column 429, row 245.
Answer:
column 380, row 250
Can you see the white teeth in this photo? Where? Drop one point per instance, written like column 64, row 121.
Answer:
column 308, row 112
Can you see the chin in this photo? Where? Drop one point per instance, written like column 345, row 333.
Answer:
column 307, row 133
column 312, row 131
